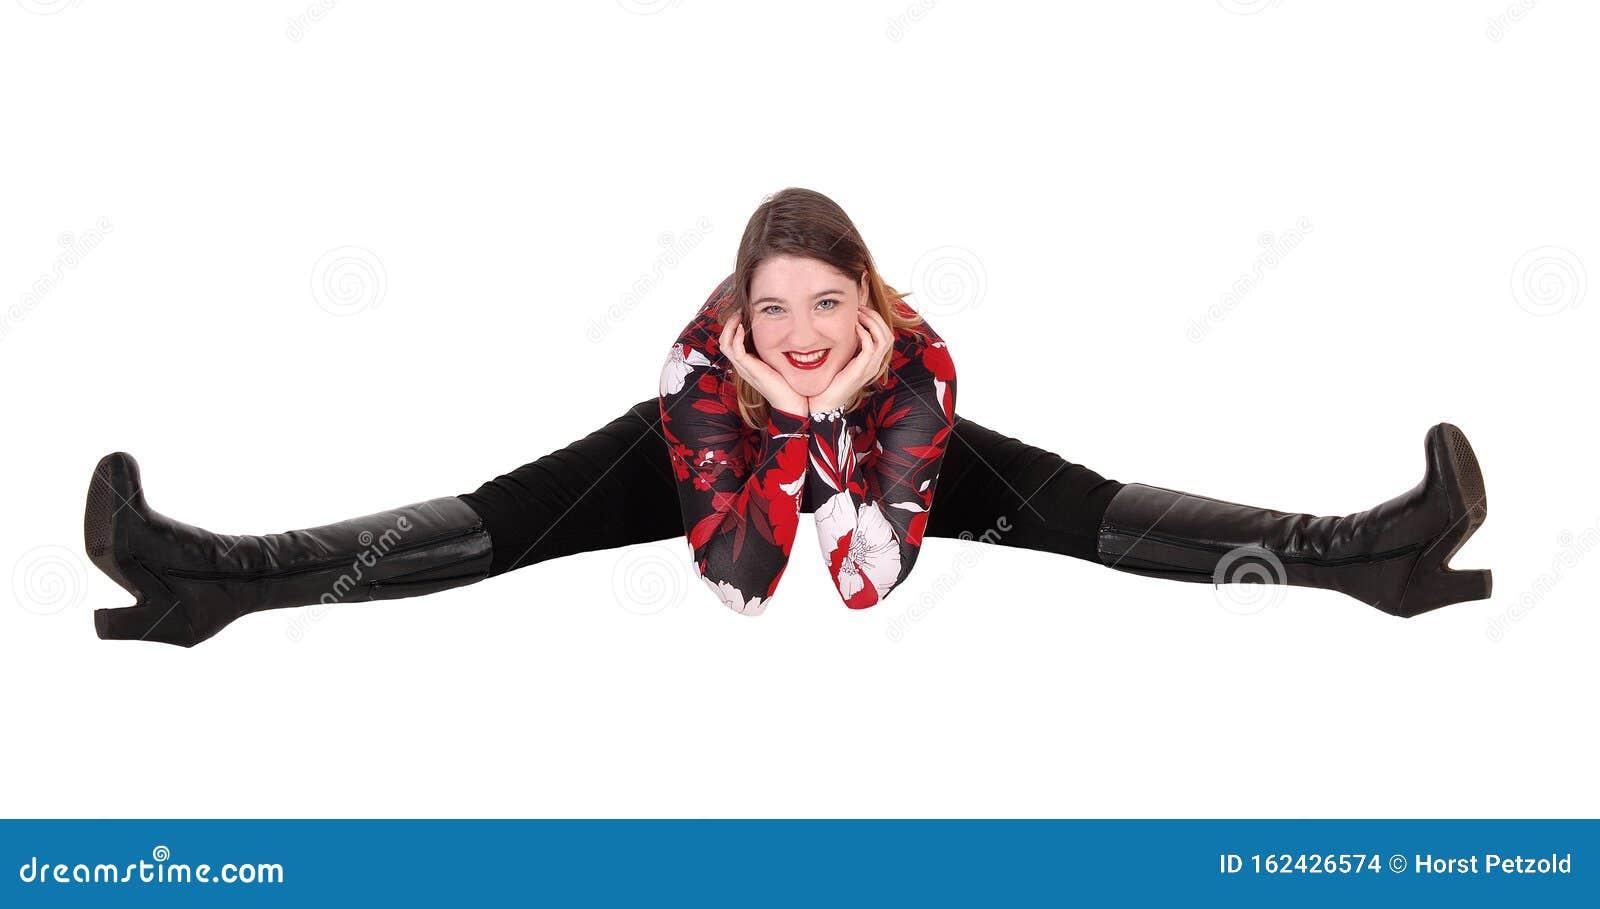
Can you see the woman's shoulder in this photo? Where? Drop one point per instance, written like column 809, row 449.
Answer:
column 705, row 328
column 917, row 334
column 920, row 355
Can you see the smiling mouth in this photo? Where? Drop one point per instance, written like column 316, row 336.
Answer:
column 807, row 360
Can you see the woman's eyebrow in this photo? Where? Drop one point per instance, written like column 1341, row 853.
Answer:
column 820, row 293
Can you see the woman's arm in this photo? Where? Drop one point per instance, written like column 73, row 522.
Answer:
column 740, row 502
column 871, row 528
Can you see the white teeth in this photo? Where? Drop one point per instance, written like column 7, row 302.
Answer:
column 812, row 358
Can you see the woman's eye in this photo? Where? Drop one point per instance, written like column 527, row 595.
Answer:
column 771, row 309
column 832, row 301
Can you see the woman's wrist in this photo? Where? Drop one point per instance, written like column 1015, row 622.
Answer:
column 820, row 405
column 795, row 408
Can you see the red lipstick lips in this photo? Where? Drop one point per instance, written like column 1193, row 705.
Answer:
column 806, row 364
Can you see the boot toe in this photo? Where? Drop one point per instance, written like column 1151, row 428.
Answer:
column 113, row 490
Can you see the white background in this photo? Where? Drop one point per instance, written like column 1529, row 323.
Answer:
column 1090, row 181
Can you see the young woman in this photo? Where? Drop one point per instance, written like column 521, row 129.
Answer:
column 804, row 384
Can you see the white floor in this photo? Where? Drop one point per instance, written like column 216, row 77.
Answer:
column 309, row 263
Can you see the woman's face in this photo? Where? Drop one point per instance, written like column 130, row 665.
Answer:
column 803, row 307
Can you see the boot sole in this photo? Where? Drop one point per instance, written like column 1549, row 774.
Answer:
column 1433, row 583
column 99, row 517
column 114, row 486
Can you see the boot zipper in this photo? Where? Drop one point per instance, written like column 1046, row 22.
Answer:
column 1306, row 560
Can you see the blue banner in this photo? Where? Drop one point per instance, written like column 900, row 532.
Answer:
column 802, row 862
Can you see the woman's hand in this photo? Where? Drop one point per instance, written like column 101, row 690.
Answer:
column 777, row 390
column 877, row 343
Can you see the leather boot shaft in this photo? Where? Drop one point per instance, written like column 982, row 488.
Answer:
column 1391, row 556
column 190, row 583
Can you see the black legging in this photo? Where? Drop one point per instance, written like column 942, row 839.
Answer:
column 615, row 487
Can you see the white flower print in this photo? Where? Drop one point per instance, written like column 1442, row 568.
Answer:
column 733, row 598
column 844, row 459
column 709, row 455
column 678, row 367
column 834, row 519
column 874, row 552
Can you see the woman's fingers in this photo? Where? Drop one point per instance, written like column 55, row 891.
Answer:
column 885, row 333
column 766, row 380
column 879, row 327
column 867, row 322
column 875, row 328
column 876, row 343
column 755, row 371
column 866, row 360
column 739, row 351
column 733, row 348
column 748, row 366
column 725, row 340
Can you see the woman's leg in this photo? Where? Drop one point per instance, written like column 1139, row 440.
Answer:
column 614, row 487
column 611, row 488
column 997, row 489
column 1393, row 556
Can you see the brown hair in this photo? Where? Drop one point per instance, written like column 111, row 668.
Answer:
column 803, row 222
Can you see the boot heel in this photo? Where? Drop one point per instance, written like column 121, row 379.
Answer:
column 1433, row 584
column 166, row 624
column 1444, row 587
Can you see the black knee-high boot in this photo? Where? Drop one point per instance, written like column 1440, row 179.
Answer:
column 1392, row 556
column 190, row 583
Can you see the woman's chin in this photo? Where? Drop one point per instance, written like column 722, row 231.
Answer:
column 808, row 384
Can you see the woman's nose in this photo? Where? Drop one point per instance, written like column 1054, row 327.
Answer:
column 802, row 334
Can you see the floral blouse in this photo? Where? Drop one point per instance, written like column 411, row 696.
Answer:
column 872, row 472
